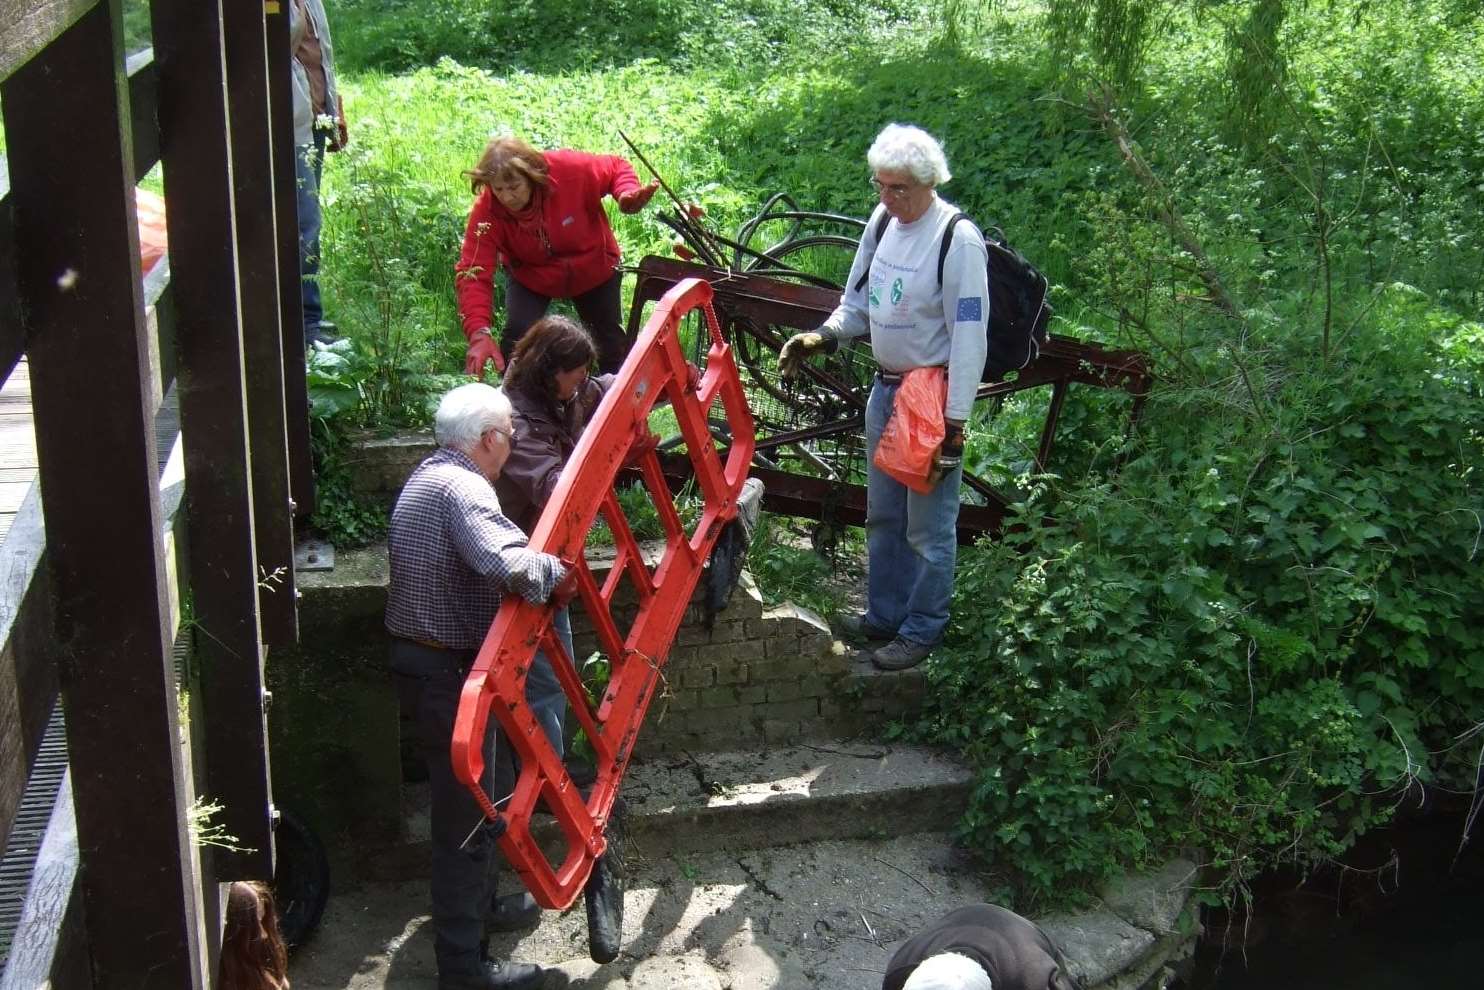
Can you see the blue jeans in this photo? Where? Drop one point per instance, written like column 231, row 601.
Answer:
column 309, row 160
column 911, row 541
column 548, row 703
column 544, row 691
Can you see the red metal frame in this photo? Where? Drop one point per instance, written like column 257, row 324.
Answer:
column 656, row 367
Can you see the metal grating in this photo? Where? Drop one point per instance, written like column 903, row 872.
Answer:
column 35, row 812
column 29, row 829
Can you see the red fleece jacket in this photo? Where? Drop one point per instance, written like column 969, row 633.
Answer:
column 565, row 248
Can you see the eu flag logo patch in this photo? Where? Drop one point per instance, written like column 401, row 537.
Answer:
column 970, row 309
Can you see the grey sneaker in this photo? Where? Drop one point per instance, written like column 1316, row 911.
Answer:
column 856, row 629
column 901, row 654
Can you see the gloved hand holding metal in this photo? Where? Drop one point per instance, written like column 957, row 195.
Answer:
column 796, row 349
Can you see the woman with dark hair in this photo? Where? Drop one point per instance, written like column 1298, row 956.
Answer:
column 553, row 398
column 540, row 214
column 253, row 955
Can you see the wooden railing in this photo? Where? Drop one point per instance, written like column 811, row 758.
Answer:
column 85, row 600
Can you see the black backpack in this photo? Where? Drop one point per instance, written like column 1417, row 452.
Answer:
column 1018, row 310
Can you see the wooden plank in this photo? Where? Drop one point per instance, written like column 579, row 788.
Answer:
column 29, row 26
column 200, row 218
column 290, row 302
column 12, row 494
column 143, row 98
column 262, row 338
column 28, row 673
column 78, row 283
column 12, row 330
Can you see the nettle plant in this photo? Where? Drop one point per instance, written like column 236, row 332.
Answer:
column 1254, row 641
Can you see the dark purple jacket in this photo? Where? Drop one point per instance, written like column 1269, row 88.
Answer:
column 546, row 432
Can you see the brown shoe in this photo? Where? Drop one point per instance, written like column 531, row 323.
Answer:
column 901, row 654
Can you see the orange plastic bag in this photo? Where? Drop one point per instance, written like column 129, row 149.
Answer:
column 913, row 434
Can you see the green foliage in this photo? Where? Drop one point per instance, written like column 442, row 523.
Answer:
column 527, row 35
column 1253, row 635
column 1250, row 642
column 787, row 569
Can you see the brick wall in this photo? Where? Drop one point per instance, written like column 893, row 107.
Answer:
column 761, row 677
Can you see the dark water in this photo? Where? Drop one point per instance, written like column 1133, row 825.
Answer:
column 1418, row 923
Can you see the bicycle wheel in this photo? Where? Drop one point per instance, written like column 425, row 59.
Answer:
column 822, row 259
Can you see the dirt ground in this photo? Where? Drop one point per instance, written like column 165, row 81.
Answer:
column 821, row 916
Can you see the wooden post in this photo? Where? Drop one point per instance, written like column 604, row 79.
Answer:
column 77, row 278
column 262, row 338
column 291, row 299
column 203, row 223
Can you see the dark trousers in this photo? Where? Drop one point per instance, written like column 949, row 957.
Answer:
column 597, row 308
column 428, row 685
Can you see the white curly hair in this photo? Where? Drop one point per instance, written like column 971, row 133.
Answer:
column 948, row 971
column 905, row 148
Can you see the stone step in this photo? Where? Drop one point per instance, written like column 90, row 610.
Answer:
column 682, row 804
column 758, row 679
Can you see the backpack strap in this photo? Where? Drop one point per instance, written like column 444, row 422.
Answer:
column 948, row 243
column 881, row 229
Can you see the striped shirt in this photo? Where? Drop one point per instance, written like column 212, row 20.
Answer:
column 454, row 555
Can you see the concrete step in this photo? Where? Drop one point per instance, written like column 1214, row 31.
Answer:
column 759, row 679
column 688, row 803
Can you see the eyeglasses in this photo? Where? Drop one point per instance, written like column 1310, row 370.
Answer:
column 896, row 190
column 509, row 434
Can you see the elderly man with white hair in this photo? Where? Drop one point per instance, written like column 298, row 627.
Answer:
column 916, row 320
column 454, row 556
column 979, row 947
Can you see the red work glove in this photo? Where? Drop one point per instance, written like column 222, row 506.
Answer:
column 482, row 349
column 692, row 377
column 636, row 199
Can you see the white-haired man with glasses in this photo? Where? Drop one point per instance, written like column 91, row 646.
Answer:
column 916, row 320
column 979, row 947
column 454, row 556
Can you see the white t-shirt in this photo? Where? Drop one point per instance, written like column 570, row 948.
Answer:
column 913, row 321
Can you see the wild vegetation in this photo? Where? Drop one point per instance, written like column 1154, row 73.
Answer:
column 1249, row 629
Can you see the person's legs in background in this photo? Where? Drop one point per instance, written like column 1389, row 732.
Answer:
column 891, row 565
column 543, row 690
column 522, row 308
column 932, row 533
column 309, row 162
column 599, row 310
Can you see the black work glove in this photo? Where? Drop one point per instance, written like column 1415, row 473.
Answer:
column 950, row 451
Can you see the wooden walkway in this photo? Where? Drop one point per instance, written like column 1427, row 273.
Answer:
column 17, row 445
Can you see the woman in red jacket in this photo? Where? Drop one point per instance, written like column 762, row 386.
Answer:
column 540, row 214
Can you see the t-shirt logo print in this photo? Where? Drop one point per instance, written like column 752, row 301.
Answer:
column 873, row 296
column 896, row 291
